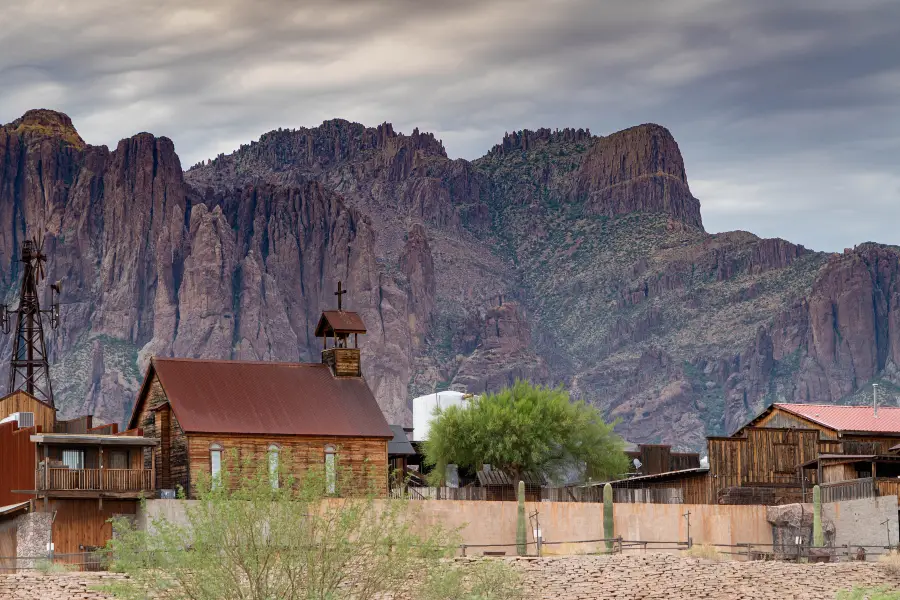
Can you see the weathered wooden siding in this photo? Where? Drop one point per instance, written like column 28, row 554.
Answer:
column 17, row 462
column 864, row 444
column 888, row 486
column 690, row 489
column 133, row 457
column 835, row 473
column 659, row 458
column 158, row 422
column 22, row 402
column 8, row 545
column 82, row 523
column 344, row 362
column 782, row 419
column 363, row 459
column 764, row 456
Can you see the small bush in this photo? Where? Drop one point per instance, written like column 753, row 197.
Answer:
column 890, row 562
column 485, row 579
column 704, row 551
column 880, row 593
column 46, row 567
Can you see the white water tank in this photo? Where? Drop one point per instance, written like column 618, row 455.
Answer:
column 424, row 407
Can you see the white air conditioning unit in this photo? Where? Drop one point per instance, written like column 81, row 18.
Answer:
column 23, row 419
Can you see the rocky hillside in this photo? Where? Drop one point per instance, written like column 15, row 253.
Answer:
column 559, row 256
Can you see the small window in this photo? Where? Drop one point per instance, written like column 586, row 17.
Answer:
column 74, row 459
column 215, row 462
column 330, row 469
column 273, row 465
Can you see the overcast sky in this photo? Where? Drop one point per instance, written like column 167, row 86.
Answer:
column 787, row 112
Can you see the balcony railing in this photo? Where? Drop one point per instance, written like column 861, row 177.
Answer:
column 100, row 480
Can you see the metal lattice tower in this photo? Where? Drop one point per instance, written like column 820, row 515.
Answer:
column 29, row 369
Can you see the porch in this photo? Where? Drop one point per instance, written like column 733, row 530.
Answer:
column 93, row 466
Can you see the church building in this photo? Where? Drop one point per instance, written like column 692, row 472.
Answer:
column 204, row 413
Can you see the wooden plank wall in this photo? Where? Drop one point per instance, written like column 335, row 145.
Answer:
column 860, row 444
column 888, row 486
column 22, row 402
column 76, row 425
column 780, row 419
column 17, row 462
column 690, row 489
column 8, row 545
column 133, row 460
column 81, row 523
column 159, row 422
column 365, row 458
column 342, row 361
column 835, row 473
column 764, row 456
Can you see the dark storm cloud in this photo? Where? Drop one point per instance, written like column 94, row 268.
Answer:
column 786, row 111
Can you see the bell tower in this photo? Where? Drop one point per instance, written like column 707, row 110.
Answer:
column 342, row 354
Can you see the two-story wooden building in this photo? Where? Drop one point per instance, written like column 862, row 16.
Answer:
column 779, row 455
column 61, row 481
column 203, row 412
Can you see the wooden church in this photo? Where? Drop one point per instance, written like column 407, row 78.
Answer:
column 203, row 413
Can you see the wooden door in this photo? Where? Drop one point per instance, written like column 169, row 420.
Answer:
column 118, row 459
column 8, row 531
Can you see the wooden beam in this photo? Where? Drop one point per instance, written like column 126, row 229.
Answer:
column 152, row 468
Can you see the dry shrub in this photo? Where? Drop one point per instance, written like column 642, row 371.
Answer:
column 890, row 562
column 703, row 551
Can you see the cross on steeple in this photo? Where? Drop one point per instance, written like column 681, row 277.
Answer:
column 340, row 292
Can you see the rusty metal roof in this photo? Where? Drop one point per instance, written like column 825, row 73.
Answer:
column 223, row 396
column 339, row 321
column 496, row 477
column 848, row 418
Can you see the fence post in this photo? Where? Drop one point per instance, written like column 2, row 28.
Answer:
column 463, row 547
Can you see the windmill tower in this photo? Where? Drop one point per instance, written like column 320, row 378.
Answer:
column 29, row 369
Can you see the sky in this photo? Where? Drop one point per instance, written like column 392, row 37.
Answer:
column 787, row 112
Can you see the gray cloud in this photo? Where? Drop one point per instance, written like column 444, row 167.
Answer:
column 787, row 112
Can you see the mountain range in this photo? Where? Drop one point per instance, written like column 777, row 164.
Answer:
column 559, row 256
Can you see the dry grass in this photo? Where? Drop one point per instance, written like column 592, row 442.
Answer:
column 890, row 562
column 705, row 552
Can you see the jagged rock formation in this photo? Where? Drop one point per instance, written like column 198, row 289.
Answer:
column 559, row 256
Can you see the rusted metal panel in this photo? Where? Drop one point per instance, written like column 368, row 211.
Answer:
column 17, row 462
column 209, row 396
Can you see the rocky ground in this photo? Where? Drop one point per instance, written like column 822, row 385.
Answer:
column 559, row 256
column 619, row 577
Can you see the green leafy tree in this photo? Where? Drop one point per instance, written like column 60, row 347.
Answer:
column 526, row 428
column 252, row 537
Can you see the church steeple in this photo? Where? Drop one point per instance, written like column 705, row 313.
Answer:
column 339, row 325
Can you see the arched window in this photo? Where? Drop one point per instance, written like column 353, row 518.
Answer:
column 273, row 465
column 330, row 469
column 215, row 462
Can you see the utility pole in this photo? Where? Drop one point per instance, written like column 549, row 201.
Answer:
column 687, row 516
column 887, row 526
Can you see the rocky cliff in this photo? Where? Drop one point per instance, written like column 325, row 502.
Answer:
column 560, row 256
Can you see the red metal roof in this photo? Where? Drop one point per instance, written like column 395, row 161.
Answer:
column 221, row 396
column 339, row 321
column 848, row 418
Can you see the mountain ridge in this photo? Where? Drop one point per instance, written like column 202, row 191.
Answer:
column 558, row 256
